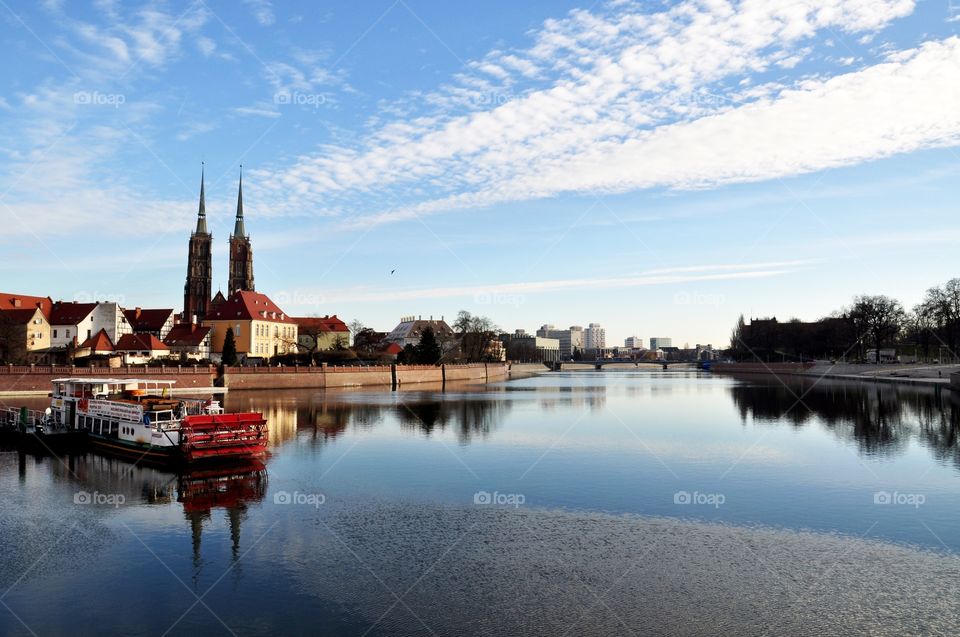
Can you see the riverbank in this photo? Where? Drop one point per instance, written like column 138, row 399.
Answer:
column 35, row 380
column 916, row 374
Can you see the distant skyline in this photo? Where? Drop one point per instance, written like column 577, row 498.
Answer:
column 655, row 168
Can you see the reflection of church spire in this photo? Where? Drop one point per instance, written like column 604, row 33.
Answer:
column 235, row 515
column 196, row 530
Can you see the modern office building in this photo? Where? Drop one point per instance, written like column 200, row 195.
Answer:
column 659, row 342
column 571, row 339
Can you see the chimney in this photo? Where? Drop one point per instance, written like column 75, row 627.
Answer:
column 136, row 312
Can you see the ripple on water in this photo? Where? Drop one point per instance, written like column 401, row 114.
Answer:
column 493, row 571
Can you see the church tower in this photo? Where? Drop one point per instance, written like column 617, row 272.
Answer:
column 241, row 254
column 196, row 292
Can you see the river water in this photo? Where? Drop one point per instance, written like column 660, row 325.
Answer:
column 581, row 503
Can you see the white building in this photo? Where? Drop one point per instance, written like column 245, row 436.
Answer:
column 571, row 339
column 594, row 337
column 73, row 323
column 659, row 342
column 632, row 342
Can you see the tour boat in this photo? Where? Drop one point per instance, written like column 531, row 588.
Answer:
column 140, row 419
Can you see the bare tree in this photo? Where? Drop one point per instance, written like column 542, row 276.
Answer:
column 880, row 319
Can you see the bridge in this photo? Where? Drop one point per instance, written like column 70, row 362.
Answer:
column 625, row 362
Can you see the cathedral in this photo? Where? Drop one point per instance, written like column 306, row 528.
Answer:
column 197, row 300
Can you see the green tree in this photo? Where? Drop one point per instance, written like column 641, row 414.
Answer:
column 229, row 355
column 429, row 350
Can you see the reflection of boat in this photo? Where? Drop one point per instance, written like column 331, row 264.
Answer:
column 225, row 486
column 140, row 419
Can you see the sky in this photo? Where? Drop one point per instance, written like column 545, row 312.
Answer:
column 658, row 168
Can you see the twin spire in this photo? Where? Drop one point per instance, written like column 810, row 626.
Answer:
column 238, row 227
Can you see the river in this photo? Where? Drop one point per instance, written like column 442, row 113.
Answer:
column 569, row 503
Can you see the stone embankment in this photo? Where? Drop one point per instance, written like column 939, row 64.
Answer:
column 915, row 374
column 36, row 379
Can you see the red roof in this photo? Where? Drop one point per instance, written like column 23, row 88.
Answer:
column 392, row 348
column 64, row 313
column 248, row 306
column 321, row 323
column 99, row 342
column 147, row 320
column 139, row 342
column 18, row 317
column 22, row 301
column 187, row 334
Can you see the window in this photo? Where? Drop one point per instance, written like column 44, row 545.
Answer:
column 66, row 333
column 54, row 333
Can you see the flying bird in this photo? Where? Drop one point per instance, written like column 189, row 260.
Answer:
column 392, row 271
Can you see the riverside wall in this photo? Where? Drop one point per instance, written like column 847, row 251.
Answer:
column 333, row 376
column 37, row 379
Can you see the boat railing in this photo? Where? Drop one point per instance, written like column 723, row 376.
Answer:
column 27, row 419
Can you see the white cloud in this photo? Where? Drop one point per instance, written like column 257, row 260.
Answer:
column 636, row 101
column 394, row 294
column 262, row 11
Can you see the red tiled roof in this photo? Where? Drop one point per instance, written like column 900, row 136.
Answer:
column 186, row 334
column 147, row 320
column 64, row 313
column 99, row 342
column 249, row 306
column 22, row 301
column 321, row 323
column 391, row 348
column 18, row 317
column 139, row 342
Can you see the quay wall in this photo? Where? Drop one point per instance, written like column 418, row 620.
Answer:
column 761, row 368
column 332, row 376
column 36, row 379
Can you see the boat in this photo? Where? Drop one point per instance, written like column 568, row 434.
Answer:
column 35, row 431
column 140, row 419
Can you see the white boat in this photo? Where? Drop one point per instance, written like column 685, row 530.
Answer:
column 141, row 419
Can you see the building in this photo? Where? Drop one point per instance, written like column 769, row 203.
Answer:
column 24, row 335
column 97, row 345
column 197, row 290
column 571, row 339
column 155, row 322
column 241, row 252
column 318, row 333
column 190, row 341
column 260, row 328
column 409, row 330
column 594, row 337
column 632, row 342
column 139, row 349
column 527, row 348
column 72, row 323
column 660, row 342
column 23, row 302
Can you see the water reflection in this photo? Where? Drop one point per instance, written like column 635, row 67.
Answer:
column 879, row 419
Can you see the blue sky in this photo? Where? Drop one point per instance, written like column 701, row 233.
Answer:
column 658, row 168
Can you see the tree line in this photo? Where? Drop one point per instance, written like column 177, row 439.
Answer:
column 930, row 330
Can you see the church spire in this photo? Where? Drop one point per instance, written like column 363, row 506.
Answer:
column 202, row 214
column 238, row 229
